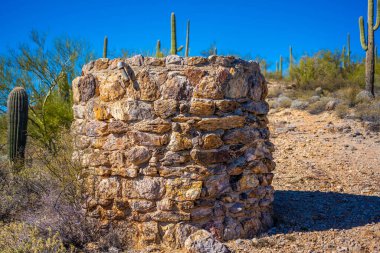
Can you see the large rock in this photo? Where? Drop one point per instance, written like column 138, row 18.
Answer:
column 203, row 242
column 212, row 124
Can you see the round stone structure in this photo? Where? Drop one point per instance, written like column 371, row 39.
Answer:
column 172, row 146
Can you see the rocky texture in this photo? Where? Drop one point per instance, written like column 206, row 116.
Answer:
column 176, row 152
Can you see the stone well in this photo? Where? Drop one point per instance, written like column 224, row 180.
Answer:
column 174, row 145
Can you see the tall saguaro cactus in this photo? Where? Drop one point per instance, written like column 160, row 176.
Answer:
column 280, row 66
column 187, row 38
column 348, row 50
column 369, row 45
column 105, row 47
column 290, row 58
column 343, row 57
column 173, row 49
column 17, row 125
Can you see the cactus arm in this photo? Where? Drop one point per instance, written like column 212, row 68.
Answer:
column 173, row 49
column 180, row 48
column 377, row 25
column 362, row 34
column 187, row 38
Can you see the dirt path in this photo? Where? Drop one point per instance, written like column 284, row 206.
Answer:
column 327, row 185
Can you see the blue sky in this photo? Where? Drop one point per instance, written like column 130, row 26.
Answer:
column 256, row 27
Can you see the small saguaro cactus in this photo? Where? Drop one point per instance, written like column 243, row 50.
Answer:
column 105, row 47
column 280, row 66
column 159, row 54
column 187, row 38
column 290, row 58
column 368, row 45
column 348, row 50
column 343, row 57
column 17, row 126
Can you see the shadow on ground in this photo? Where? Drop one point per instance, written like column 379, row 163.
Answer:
column 318, row 211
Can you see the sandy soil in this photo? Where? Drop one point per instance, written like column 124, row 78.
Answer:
column 327, row 185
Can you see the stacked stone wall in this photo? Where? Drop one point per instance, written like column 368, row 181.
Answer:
column 173, row 145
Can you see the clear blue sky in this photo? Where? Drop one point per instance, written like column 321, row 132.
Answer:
column 256, row 27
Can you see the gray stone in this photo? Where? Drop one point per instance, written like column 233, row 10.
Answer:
column 203, row 242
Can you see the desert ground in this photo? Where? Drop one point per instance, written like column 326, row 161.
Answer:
column 327, row 183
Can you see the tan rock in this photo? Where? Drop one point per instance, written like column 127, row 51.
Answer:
column 208, row 88
column 166, row 216
column 202, row 107
column 226, row 105
column 108, row 188
column 212, row 124
column 138, row 155
column 211, row 141
column 101, row 112
column 210, row 156
column 194, row 75
column 183, row 189
column 148, row 88
column 157, row 125
column 111, row 89
column 165, row 107
column 179, row 142
column 147, row 139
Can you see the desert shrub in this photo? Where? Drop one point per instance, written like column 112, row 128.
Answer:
column 319, row 106
column 20, row 237
column 342, row 110
column 348, row 94
column 46, row 124
column 320, row 70
column 274, row 91
column 18, row 191
column 368, row 111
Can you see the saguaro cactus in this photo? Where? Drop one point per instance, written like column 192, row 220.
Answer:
column 105, row 47
column 17, row 124
column 187, row 38
column 280, row 66
column 348, row 50
column 173, row 49
column 290, row 58
column 369, row 45
column 343, row 57
column 159, row 54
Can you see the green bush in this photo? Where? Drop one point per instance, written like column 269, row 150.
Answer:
column 20, row 237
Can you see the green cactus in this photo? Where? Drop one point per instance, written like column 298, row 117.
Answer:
column 368, row 45
column 159, row 54
column 343, row 57
column 105, row 47
column 173, row 49
column 276, row 67
column 290, row 58
column 348, row 50
column 280, row 66
column 187, row 38
column 17, row 126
